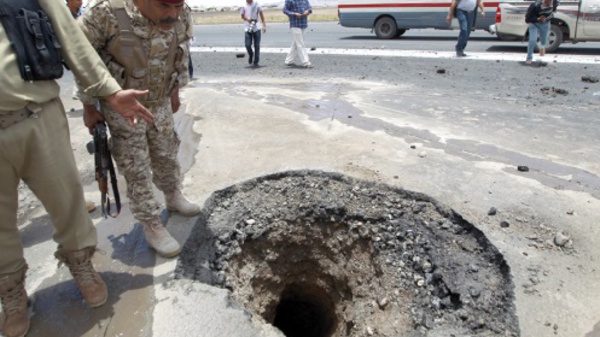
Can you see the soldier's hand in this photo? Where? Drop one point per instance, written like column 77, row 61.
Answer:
column 91, row 116
column 175, row 101
column 126, row 104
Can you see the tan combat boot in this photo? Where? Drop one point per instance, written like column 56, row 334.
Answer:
column 177, row 202
column 158, row 238
column 15, row 318
column 92, row 287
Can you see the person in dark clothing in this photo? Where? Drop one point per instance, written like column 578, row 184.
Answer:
column 538, row 16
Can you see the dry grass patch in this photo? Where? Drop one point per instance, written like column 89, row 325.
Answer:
column 271, row 15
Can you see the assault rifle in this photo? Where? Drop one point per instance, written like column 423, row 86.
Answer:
column 104, row 166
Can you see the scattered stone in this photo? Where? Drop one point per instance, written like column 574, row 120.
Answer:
column 441, row 71
column 560, row 239
column 561, row 91
column 422, row 154
column 523, row 168
column 240, row 55
column 447, row 224
column 383, row 302
column 570, row 212
column 427, row 321
column 504, row 224
column 520, row 219
column 492, row 211
column 413, row 146
column 589, row 79
column 554, row 91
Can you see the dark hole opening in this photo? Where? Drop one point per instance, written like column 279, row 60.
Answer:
column 304, row 313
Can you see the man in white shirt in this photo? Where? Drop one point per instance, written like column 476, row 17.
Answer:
column 252, row 27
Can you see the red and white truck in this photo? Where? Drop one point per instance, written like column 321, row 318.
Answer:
column 391, row 18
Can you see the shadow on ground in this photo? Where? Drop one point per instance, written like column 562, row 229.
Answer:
column 59, row 309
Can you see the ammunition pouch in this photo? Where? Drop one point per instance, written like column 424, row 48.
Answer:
column 31, row 35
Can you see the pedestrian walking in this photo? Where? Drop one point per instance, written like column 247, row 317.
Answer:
column 251, row 13
column 538, row 17
column 298, row 12
column 465, row 11
column 146, row 45
column 35, row 148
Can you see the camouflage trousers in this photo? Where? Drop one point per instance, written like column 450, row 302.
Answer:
column 145, row 154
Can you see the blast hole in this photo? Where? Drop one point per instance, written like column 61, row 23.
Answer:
column 322, row 255
column 305, row 311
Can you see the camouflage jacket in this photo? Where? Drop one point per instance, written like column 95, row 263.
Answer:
column 99, row 23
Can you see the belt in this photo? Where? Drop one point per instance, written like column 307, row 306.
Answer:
column 10, row 118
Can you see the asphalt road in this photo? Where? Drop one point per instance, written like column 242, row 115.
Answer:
column 332, row 35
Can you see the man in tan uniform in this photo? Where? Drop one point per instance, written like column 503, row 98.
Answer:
column 145, row 45
column 35, row 147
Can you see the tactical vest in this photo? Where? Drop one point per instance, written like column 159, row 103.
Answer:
column 127, row 61
column 32, row 38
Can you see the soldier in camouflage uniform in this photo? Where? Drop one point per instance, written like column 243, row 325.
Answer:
column 145, row 45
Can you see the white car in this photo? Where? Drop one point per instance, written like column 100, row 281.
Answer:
column 574, row 21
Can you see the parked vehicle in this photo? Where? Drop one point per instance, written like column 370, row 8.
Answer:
column 574, row 21
column 392, row 18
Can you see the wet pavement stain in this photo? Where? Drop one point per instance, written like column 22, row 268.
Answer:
column 336, row 107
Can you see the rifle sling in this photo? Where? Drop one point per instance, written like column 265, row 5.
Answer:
column 115, row 187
